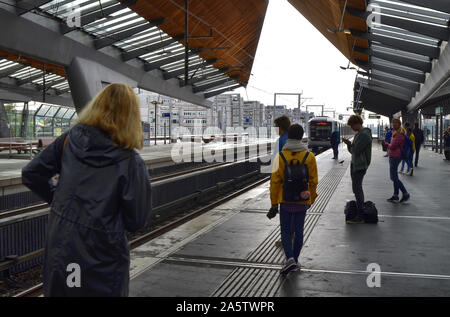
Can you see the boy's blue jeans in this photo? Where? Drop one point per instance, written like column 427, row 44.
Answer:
column 292, row 222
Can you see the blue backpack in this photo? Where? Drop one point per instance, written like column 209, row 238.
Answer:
column 407, row 149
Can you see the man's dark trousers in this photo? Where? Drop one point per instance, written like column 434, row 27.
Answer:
column 417, row 154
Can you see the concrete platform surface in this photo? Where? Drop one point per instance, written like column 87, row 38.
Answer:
column 230, row 251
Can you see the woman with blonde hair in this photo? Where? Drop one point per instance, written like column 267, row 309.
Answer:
column 395, row 148
column 103, row 191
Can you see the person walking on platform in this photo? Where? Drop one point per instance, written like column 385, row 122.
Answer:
column 103, row 190
column 282, row 123
column 293, row 187
column 395, row 149
column 419, row 139
column 335, row 140
column 387, row 139
column 361, row 150
column 447, row 144
column 409, row 159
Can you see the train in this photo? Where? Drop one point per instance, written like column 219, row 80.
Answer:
column 320, row 129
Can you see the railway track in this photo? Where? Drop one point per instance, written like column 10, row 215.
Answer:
column 41, row 206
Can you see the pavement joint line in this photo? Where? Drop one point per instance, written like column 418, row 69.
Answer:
column 416, row 217
column 268, row 266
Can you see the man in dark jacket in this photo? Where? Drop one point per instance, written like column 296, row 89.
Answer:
column 335, row 140
column 103, row 190
column 361, row 150
column 418, row 135
column 447, row 144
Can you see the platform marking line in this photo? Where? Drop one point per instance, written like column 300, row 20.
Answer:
column 416, row 217
column 267, row 251
column 268, row 266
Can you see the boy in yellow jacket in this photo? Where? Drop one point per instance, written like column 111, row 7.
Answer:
column 292, row 214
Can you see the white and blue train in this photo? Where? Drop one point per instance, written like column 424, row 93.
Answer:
column 320, row 129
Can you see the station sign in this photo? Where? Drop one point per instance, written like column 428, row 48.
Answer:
column 439, row 110
column 166, row 115
column 374, row 116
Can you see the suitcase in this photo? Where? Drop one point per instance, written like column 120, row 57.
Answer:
column 370, row 213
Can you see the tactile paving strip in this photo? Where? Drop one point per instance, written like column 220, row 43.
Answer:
column 258, row 282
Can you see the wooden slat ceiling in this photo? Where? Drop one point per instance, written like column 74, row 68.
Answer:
column 55, row 69
column 236, row 24
column 324, row 14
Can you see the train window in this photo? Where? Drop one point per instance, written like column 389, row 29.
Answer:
column 320, row 129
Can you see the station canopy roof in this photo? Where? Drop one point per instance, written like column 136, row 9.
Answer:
column 223, row 38
column 394, row 44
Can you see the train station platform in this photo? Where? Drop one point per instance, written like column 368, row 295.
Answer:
column 153, row 155
column 231, row 251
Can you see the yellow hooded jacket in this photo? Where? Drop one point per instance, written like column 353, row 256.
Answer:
column 277, row 179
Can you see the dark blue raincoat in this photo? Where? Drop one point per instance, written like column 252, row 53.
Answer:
column 103, row 191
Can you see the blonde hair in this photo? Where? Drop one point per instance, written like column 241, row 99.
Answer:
column 115, row 110
column 399, row 130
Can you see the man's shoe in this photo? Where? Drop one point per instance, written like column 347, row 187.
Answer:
column 278, row 244
column 296, row 268
column 405, row 198
column 288, row 266
column 356, row 220
column 412, row 170
column 393, row 199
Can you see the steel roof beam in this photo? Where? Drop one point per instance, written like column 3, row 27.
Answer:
column 386, row 90
column 397, row 59
column 416, row 48
column 172, row 59
column 206, row 77
column 11, row 70
column 438, row 5
column 412, row 12
column 113, row 38
column 27, row 80
column 38, row 41
column 385, row 77
column 99, row 14
column 23, row 6
column 218, row 92
column 391, row 86
column 419, row 78
column 126, row 56
column 213, row 84
column 180, row 71
column 436, row 32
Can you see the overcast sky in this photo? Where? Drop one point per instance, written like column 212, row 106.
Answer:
column 293, row 56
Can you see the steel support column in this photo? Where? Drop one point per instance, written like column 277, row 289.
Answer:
column 4, row 130
column 85, row 80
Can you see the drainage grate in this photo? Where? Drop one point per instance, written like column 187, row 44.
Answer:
column 259, row 282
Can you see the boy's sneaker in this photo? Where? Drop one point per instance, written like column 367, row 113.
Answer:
column 393, row 199
column 356, row 220
column 288, row 266
column 405, row 198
